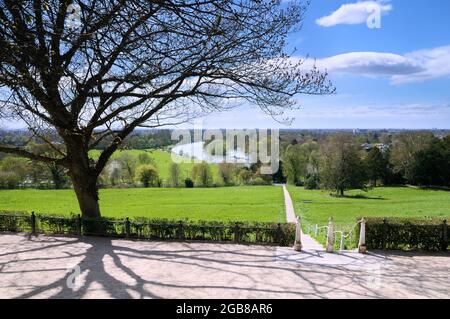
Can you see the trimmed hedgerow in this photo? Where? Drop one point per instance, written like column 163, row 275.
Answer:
column 15, row 222
column 429, row 234
column 157, row 229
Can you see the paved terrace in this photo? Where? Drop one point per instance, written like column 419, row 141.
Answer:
column 37, row 267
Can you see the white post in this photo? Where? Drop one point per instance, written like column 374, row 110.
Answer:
column 342, row 245
column 362, row 238
column 330, row 236
column 351, row 238
column 316, row 231
column 298, row 235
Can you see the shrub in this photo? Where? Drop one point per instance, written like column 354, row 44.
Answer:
column 148, row 175
column 174, row 175
column 405, row 233
column 9, row 180
column 226, row 174
column 312, row 182
column 15, row 222
column 188, row 183
column 201, row 173
column 161, row 229
column 258, row 181
column 245, row 176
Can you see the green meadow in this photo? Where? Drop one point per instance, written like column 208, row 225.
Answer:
column 316, row 207
column 254, row 203
column 162, row 159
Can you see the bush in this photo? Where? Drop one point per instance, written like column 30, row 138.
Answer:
column 15, row 222
column 258, row 181
column 160, row 229
column 9, row 180
column 245, row 176
column 312, row 182
column 188, row 183
column 201, row 173
column 405, row 233
column 148, row 175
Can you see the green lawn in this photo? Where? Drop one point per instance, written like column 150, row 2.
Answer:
column 262, row 203
column 316, row 207
column 163, row 160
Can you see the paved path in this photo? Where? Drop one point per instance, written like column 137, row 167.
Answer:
column 37, row 267
column 308, row 243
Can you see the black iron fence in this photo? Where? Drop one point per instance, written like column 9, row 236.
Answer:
column 150, row 229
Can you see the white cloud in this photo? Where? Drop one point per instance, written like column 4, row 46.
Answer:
column 417, row 66
column 370, row 64
column 419, row 110
column 435, row 63
column 354, row 13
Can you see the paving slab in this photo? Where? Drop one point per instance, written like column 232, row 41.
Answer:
column 90, row 267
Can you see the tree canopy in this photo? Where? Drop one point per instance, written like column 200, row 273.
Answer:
column 92, row 71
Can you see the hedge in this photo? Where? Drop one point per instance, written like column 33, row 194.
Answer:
column 147, row 228
column 429, row 234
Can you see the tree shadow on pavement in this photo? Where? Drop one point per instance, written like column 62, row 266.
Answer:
column 126, row 269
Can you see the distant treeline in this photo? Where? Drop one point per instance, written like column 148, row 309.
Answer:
column 316, row 159
column 140, row 139
column 343, row 161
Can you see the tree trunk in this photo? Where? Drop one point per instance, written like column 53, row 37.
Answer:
column 87, row 195
column 84, row 180
column 341, row 192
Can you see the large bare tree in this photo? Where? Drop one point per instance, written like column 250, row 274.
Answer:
column 96, row 70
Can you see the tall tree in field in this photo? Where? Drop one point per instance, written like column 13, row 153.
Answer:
column 431, row 166
column 377, row 166
column 201, row 174
column 404, row 149
column 295, row 162
column 343, row 167
column 296, row 159
column 93, row 71
column 175, row 175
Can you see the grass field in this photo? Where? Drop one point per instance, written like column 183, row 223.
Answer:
column 316, row 207
column 262, row 203
column 163, row 160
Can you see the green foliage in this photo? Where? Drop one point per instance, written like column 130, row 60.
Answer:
column 299, row 160
column 404, row 149
column 9, row 180
column 343, row 167
column 188, row 183
column 201, row 174
column 258, row 181
column 405, row 233
column 245, row 176
column 161, row 229
column 128, row 165
column 227, row 173
column 15, row 221
column 144, row 158
column 174, row 175
column 312, row 181
column 148, row 175
column 431, row 166
column 56, row 224
column 13, row 171
column 377, row 166
column 294, row 164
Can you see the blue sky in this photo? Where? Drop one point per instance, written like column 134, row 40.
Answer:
column 397, row 76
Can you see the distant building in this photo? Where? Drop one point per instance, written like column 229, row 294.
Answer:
column 368, row 147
